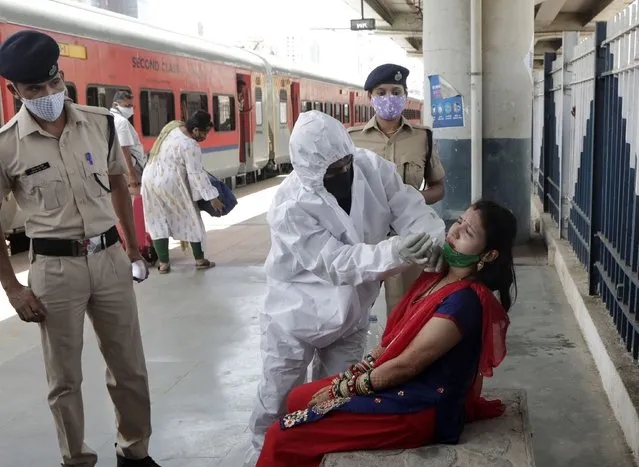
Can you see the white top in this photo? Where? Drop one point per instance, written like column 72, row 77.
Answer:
column 128, row 138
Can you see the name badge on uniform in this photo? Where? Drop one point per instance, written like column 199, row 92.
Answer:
column 37, row 168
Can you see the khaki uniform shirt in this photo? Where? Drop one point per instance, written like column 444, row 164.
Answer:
column 407, row 149
column 53, row 180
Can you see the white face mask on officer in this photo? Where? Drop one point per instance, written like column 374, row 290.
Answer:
column 47, row 108
column 126, row 112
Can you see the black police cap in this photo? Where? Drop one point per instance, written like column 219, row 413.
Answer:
column 386, row 74
column 29, row 57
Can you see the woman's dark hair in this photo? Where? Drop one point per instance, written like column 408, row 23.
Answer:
column 500, row 226
column 200, row 120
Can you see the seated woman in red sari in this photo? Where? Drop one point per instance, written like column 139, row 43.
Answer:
column 424, row 381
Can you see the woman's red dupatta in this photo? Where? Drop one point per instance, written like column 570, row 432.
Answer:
column 407, row 320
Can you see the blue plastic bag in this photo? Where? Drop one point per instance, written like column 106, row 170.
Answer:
column 226, row 196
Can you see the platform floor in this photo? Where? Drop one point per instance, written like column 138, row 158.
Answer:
column 201, row 337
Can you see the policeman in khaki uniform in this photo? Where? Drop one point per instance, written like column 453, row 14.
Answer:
column 55, row 158
column 409, row 146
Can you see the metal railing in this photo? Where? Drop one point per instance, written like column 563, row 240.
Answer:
column 587, row 157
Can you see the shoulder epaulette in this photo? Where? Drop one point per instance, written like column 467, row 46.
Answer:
column 10, row 124
column 421, row 127
column 92, row 109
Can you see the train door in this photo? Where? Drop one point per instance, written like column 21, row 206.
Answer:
column 244, row 107
column 351, row 110
column 295, row 102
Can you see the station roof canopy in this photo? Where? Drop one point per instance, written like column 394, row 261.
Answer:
column 402, row 20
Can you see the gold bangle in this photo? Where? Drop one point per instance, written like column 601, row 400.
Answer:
column 343, row 388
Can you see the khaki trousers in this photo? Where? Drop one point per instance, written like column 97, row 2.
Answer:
column 396, row 286
column 101, row 286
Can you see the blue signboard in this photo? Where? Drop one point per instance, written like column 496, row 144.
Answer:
column 447, row 107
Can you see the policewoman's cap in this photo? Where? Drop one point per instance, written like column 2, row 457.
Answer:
column 29, row 57
column 386, row 74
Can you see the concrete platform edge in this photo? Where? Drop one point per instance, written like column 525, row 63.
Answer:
column 618, row 372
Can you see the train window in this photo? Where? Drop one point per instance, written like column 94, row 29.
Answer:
column 223, row 113
column 258, row 107
column 283, row 107
column 191, row 102
column 157, row 108
column 102, row 96
column 72, row 92
column 347, row 113
column 328, row 108
column 337, row 112
column 318, row 106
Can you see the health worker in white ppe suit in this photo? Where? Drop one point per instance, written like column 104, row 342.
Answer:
column 329, row 222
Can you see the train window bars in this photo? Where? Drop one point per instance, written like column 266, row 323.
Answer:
column 259, row 117
column 101, row 95
column 191, row 102
column 157, row 108
column 283, row 107
column 223, row 113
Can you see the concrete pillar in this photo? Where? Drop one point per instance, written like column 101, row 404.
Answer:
column 508, row 31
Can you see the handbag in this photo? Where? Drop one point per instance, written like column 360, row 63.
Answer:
column 225, row 195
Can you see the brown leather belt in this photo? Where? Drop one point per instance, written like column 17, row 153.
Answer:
column 65, row 247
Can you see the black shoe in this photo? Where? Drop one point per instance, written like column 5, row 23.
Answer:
column 146, row 462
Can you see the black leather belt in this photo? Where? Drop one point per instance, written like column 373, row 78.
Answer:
column 61, row 247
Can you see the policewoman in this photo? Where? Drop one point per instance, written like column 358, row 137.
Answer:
column 66, row 169
column 410, row 147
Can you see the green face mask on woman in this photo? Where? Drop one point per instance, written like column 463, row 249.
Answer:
column 458, row 260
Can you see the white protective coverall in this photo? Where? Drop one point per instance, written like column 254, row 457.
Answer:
column 325, row 266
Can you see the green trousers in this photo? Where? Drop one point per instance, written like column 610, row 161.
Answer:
column 162, row 249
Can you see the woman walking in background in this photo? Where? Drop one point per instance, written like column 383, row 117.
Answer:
column 173, row 181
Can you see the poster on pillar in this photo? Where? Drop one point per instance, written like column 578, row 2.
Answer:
column 447, row 105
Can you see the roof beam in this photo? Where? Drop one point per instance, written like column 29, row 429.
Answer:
column 398, row 32
column 404, row 25
column 548, row 11
column 598, row 7
column 381, row 10
column 551, row 45
column 408, row 21
column 378, row 12
column 565, row 22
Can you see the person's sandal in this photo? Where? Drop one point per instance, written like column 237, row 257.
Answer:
column 164, row 268
column 204, row 264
